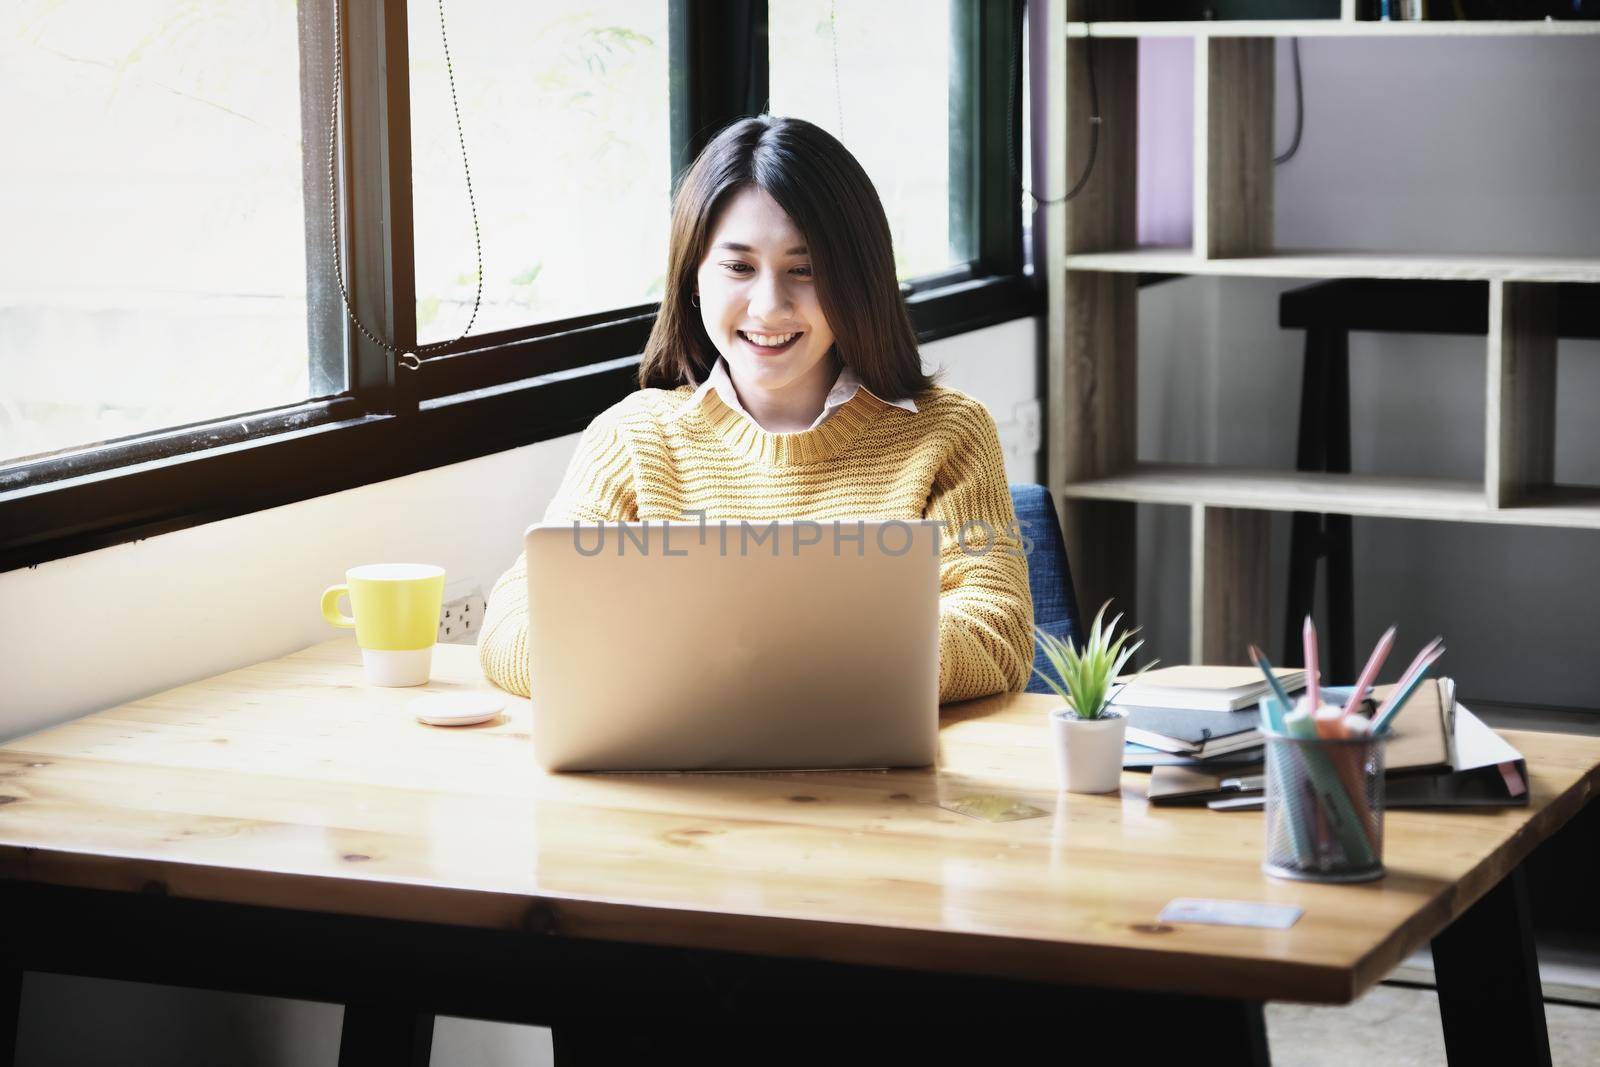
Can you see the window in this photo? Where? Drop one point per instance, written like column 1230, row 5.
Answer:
column 151, row 201
column 565, row 109
column 873, row 75
column 173, row 342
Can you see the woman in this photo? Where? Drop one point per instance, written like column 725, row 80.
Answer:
column 782, row 381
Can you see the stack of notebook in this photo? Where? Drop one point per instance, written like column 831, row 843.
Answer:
column 1189, row 715
column 1204, row 688
column 1439, row 755
column 1197, row 734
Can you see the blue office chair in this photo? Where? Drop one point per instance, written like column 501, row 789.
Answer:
column 1055, row 604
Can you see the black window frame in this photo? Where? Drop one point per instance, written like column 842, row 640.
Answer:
column 505, row 389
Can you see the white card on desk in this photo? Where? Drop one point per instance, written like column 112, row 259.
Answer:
column 1230, row 913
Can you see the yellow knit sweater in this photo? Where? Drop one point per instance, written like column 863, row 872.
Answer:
column 657, row 455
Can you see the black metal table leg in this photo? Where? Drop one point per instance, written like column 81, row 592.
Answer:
column 1487, row 971
column 385, row 1036
column 10, row 1004
column 11, row 957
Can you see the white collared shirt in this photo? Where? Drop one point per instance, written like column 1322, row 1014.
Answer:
column 843, row 391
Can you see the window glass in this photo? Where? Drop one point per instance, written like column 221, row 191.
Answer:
column 565, row 112
column 889, row 104
column 154, row 220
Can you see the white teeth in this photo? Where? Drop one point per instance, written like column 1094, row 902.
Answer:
column 770, row 340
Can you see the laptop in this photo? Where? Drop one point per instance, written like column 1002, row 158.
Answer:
column 734, row 645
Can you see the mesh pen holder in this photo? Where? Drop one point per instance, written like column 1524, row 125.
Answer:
column 1324, row 808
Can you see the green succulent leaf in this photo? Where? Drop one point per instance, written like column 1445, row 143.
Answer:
column 1082, row 677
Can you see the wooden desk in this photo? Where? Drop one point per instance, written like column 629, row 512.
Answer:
column 286, row 829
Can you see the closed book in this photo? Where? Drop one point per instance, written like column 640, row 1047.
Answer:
column 1204, row 688
column 1197, row 785
column 1419, row 737
column 1192, row 732
column 1137, row 757
column 1478, row 767
column 1481, row 787
column 1478, row 787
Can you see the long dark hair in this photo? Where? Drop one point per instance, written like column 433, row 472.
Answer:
column 822, row 188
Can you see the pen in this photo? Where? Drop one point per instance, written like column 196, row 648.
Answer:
column 1273, row 709
column 1402, row 690
column 1272, row 712
column 1369, row 673
column 1334, row 800
column 1334, row 724
column 1329, row 721
column 1308, row 634
column 1397, row 699
column 1281, row 760
column 1437, row 644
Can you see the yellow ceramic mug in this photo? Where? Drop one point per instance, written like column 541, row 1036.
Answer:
column 396, row 621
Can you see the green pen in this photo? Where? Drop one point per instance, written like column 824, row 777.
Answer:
column 1330, row 791
column 1268, row 711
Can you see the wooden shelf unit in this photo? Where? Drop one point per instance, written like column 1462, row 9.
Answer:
column 1340, row 27
column 1320, row 265
column 1375, row 496
column 1092, row 380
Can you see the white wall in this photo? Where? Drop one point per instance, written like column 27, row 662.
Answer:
column 96, row 630
column 1451, row 145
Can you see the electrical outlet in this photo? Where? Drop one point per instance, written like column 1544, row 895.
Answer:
column 461, row 615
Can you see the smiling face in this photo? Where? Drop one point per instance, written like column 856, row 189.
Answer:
column 758, row 302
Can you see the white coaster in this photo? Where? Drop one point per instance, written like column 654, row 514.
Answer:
column 457, row 709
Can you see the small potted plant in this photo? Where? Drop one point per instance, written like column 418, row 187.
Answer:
column 1087, row 734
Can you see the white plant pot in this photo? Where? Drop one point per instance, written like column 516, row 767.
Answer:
column 1088, row 751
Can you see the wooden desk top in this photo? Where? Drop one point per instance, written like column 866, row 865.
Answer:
column 293, row 784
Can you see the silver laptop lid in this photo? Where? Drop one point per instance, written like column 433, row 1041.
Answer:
column 734, row 645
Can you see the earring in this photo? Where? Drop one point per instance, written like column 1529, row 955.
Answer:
column 694, row 298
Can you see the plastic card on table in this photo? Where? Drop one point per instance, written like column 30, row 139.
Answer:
column 1230, row 913
column 992, row 807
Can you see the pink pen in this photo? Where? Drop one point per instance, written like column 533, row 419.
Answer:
column 1430, row 652
column 1308, row 634
column 1369, row 673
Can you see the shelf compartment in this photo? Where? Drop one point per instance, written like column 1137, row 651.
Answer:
column 1426, row 499
column 1311, row 264
column 1520, row 452
column 1339, row 28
